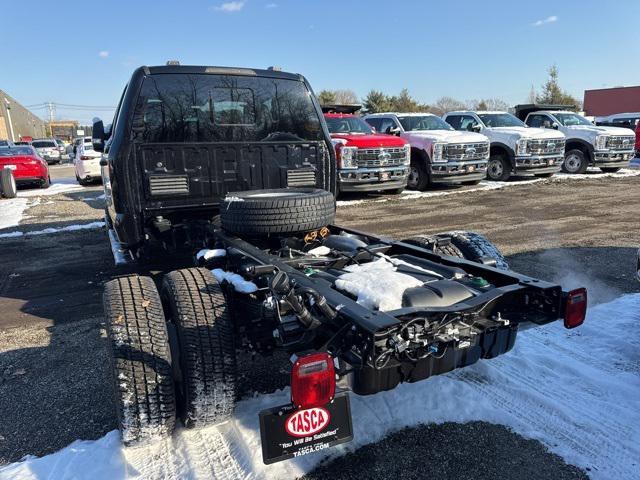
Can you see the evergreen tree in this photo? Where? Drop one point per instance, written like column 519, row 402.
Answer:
column 376, row 102
column 552, row 93
column 326, row 97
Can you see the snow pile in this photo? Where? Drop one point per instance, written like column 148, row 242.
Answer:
column 377, row 284
column 208, row 254
column 574, row 390
column 47, row 231
column 11, row 211
column 239, row 284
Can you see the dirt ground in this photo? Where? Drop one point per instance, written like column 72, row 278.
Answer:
column 54, row 387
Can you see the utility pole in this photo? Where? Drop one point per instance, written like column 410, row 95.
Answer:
column 13, row 138
column 51, row 108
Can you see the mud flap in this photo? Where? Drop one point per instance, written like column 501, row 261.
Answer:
column 287, row 432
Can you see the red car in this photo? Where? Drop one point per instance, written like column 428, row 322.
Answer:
column 638, row 139
column 26, row 165
column 367, row 161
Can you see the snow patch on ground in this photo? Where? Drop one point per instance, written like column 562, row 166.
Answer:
column 576, row 391
column 60, row 185
column 11, row 211
column 487, row 185
column 47, row 231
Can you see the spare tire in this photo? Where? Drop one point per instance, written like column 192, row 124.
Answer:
column 286, row 210
column 7, row 184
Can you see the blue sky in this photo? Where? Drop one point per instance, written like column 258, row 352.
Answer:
column 83, row 53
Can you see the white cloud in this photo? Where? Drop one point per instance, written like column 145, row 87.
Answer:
column 103, row 53
column 271, row 5
column 230, row 7
column 550, row 19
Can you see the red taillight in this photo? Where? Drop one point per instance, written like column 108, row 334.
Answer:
column 313, row 381
column 85, row 157
column 575, row 308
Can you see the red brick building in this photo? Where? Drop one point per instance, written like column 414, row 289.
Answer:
column 607, row 101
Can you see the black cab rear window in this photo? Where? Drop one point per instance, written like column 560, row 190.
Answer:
column 218, row 108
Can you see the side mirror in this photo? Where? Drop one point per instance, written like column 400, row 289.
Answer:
column 555, row 126
column 476, row 128
column 394, row 131
column 98, row 136
column 373, row 129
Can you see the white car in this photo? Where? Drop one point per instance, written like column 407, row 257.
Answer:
column 608, row 148
column 439, row 154
column 516, row 149
column 86, row 161
column 48, row 149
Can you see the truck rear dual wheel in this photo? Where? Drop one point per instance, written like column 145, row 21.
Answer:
column 8, row 188
column 155, row 381
column 468, row 245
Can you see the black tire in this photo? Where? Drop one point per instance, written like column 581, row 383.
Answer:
column 610, row 169
column 575, row 162
column 197, row 307
column 140, row 359
column 545, row 175
column 475, row 246
column 8, row 186
column 498, row 168
column 45, row 183
column 418, row 173
column 264, row 212
column 430, row 243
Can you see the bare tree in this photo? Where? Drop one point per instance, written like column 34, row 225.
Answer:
column 345, row 96
column 447, row 104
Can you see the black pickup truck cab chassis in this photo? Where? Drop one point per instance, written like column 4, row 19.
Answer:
column 236, row 167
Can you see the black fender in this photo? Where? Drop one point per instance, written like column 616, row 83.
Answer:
column 583, row 145
column 511, row 155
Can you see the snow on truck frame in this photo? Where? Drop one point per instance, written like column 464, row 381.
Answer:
column 357, row 312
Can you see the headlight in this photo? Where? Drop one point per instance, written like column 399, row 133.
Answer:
column 601, row 142
column 521, row 147
column 407, row 154
column 438, row 153
column 346, row 157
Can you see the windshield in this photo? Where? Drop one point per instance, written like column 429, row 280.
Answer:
column 570, row 119
column 4, row 143
column 224, row 108
column 500, row 120
column 12, row 152
column 426, row 122
column 348, row 125
column 43, row 144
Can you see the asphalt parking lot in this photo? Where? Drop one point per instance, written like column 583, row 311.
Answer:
column 54, row 387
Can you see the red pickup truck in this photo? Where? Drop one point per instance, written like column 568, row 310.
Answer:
column 367, row 162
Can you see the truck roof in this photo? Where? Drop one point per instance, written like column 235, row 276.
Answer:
column 407, row 114
column 200, row 69
column 340, row 115
column 477, row 112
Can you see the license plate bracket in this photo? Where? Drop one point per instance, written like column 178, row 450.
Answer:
column 279, row 444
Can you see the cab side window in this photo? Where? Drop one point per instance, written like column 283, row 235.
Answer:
column 386, row 124
column 454, row 121
column 467, row 122
column 539, row 121
column 375, row 123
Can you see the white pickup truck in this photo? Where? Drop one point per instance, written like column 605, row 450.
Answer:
column 439, row 154
column 608, row 148
column 516, row 149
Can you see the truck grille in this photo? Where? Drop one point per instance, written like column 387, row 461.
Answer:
column 621, row 143
column 546, row 146
column 380, row 157
column 168, row 185
column 301, row 178
column 466, row 151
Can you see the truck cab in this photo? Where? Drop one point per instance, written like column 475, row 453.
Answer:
column 439, row 154
column 367, row 161
column 608, row 148
column 516, row 149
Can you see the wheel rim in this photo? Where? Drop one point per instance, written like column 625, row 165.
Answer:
column 572, row 163
column 414, row 177
column 495, row 169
